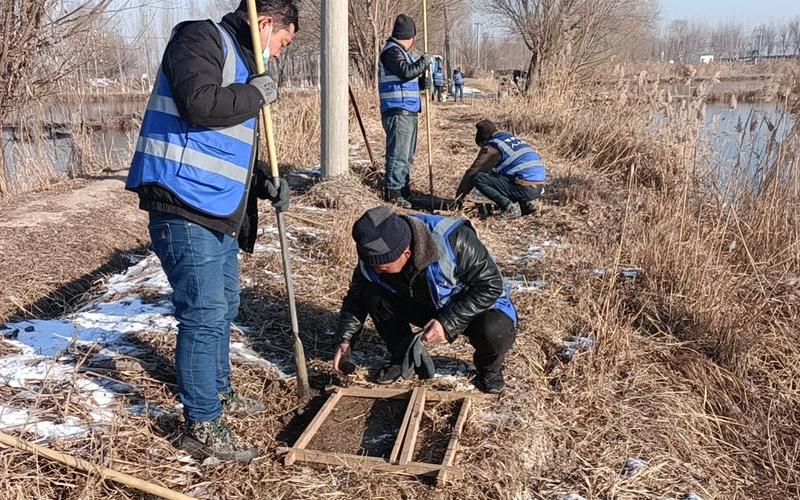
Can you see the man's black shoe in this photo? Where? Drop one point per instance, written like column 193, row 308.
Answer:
column 389, row 373
column 395, row 197
column 490, row 382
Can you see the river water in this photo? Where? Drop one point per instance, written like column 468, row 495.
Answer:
column 740, row 137
column 737, row 138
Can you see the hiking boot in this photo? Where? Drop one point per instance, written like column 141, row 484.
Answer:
column 239, row 406
column 490, row 382
column 389, row 373
column 215, row 439
column 512, row 211
column 395, row 197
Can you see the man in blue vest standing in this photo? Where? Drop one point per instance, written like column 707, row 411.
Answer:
column 400, row 80
column 458, row 82
column 432, row 272
column 195, row 172
column 438, row 83
column 507, row 170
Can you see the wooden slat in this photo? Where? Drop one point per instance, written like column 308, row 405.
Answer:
column 452, row 446
column 401, row 434
column 314, row 426
column 418, row 407
column 363, row 392
column 370, row 463
column 380, row 393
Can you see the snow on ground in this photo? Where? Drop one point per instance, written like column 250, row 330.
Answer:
column 48, row 351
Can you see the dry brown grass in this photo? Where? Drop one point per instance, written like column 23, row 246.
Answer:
column 695, row 368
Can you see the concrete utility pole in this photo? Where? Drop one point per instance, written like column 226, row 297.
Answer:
column 335, row 79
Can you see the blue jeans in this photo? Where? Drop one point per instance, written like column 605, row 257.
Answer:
column 401, row 144
column 459, row 93
column 202, row 267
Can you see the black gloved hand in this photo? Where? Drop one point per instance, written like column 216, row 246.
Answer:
column 266, row 85
column 278, row 196
column 427, row 58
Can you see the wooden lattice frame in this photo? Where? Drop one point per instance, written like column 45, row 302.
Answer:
column 399, row 460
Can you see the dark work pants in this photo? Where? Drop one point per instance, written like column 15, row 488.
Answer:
column 491, row 332
column 502, row 190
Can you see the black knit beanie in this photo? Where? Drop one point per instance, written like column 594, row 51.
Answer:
column 404, row 28
column 381, row 236
column 486, row 129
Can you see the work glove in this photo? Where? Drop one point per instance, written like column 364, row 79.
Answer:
column 418, row 360
column 426, row 59
column 278, row 196
column 266, row 85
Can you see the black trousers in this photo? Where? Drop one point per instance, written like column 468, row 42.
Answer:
column 502, row 190
column 491, row 332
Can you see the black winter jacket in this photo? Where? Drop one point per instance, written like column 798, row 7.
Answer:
column 193, row 62
column 394, row 60
column 483, row 283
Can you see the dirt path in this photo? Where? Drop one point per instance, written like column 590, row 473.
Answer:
column 55, row 245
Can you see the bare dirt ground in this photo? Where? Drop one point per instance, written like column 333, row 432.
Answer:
column 56, row 243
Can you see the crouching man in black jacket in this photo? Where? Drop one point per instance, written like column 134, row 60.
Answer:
column 432, row 272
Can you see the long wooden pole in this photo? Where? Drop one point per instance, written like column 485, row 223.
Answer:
column 361, row 125
column 428, row 102
column 103, row 472
column 268, row 131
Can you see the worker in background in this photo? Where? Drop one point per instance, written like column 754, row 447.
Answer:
column 434, row 273
column 400, row 80
column 507, row 171
column 194, row 172
column 458, row 82
column 438, row 84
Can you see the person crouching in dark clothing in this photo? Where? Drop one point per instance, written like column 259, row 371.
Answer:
column 434, row 273
column 507, row 170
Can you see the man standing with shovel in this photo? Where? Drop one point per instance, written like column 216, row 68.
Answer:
column 400, row 79
column 195, row 173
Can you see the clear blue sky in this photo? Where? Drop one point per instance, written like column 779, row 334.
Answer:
column 747, row 12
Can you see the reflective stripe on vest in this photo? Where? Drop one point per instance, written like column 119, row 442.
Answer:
column 442, row 275
column 205, row 167
column 520, row 161
column 395, row 93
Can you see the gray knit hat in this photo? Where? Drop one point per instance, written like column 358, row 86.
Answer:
column 381, row 236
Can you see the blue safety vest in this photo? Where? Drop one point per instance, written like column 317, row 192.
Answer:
column 206, row 168
column 443, row 274
column 520, row 161
column 438, row 78
column 394, row 92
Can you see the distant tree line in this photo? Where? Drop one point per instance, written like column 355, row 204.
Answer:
column 683, row 41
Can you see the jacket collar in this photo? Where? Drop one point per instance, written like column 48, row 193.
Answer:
column 424, row 251
column 237, row 25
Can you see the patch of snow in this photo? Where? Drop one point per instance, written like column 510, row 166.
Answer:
column 573, row 496
column 575, row 345
column 243, row 353
column 520, row 284
column 633, row 466
column 19, row 420
column 106, row 326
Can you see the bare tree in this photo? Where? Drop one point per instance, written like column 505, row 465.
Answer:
column 571, row 37
column 30, row 30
